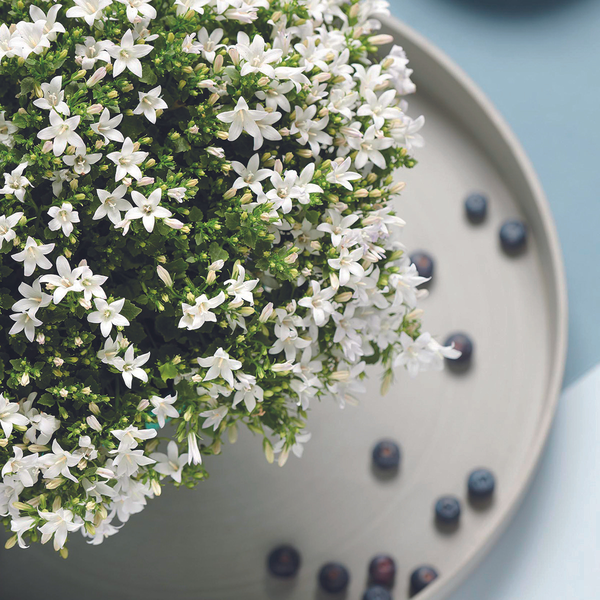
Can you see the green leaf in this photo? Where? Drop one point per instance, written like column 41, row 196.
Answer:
column 148, row 75
column 181, row 145
column 232, row 220
column 46, row 400
column 312, row 216
column 130, row 311
column 196, row 215
column 166, row 327
column 217, row 253
column 168, row 371
column 249, row 236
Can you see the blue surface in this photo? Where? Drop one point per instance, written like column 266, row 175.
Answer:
column 539, row 62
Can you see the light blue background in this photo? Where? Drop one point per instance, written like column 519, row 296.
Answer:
column 539, row 62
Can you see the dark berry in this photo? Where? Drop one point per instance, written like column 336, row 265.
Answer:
column 476, row 208
column 481, row 483
column 334, row 578
column 284, row 561
column 382, row 570
column 513, row 235
column 463, row 343
column 377, row 593
column 386, row 455
column 421, row 578
column 447, row 510
column 424, row 264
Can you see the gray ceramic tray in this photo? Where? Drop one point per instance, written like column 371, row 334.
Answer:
column 211, row 543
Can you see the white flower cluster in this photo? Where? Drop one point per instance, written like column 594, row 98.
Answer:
column 305, row 162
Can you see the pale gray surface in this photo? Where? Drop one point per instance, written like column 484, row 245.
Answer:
column 210, row 544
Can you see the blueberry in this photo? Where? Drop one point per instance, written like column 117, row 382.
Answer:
column 476, row 208
column 382, row 570
column 447, row 510
column 284, row 561
column 377, row 593
column 421, row 578
column 481, row 484
column 463, row 343
column 386, row 455
column 334, row 578
column 424, row 264
column 513, row 235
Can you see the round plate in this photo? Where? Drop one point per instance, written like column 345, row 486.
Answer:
column 211, row 543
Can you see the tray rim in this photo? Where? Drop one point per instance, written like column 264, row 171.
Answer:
column 557, row 286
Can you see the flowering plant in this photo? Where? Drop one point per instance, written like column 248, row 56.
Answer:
column 195, row 229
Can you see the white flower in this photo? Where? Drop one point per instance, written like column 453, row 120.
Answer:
column 247, row 391
column 112, row 203
column 131, row 367
column 108, row 315
column 347, row 264
column 51, row 27
column 82, row 162
column 163, row 408
column 89, row 10
column 339, row 227
column 15, row 183
column 242, row 119
column 42, row 425
column 379, row 107
column 8, row 48
column 91, row 284
column 34, row 256
column 31, row 38
column 62, row 132
column 214, row 417
column 33, row 298
column 407, row 133
column 251, row 175
column 147, row 209
column 304, row 236
column 194, row 316
column 20, row 526
column 128, row 54
column 276, row 96
column 339, row 173
column 209, row 44
column 415, row 355
column 127, row 160
column 241, row 289
column 319, row 303
column 111, row 349
column 310, row 131
column 9, row 416
column 369, row 147
column 150, row 103
column 63, row 218
column 53, row 96
column 130, row 437
column 107, row 127
column 7, row 233
column 66, row 281
column 220, row 365
column 92, row 51
column 289, row 341
column 170, row 463
column 303, row 187
column 6, row 127
column 128, row 461
column 194, row 455
column 58, row 462
column 183, row 6
column 256, row 59
column 58, row 524
column 139, row 7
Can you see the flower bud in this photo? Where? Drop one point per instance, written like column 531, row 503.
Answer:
column 266, row 313
column 93, row 423
column 380, row 40
column 96, row 77
column 164, row 276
